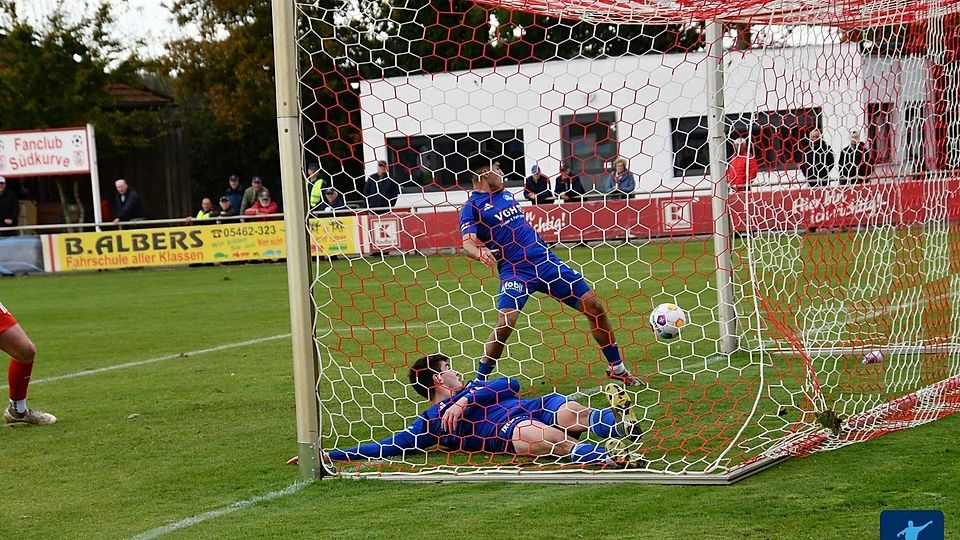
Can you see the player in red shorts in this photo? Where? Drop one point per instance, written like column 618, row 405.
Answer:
column 14, row 341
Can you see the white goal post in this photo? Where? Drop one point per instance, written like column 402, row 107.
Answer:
column 797, row 194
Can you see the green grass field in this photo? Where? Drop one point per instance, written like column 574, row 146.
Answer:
column 169, row 435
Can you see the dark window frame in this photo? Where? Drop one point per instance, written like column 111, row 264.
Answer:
column 777, row 139
column 447, row 157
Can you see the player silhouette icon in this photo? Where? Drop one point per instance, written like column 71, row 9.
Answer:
column 910, row 532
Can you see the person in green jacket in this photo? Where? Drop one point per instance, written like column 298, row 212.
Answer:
column 315, row 184
column 251, row 194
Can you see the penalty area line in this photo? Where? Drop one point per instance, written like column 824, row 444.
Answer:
column 153, row 360
column 213, row 514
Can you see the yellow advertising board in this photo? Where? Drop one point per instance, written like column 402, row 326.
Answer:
column 195, row 244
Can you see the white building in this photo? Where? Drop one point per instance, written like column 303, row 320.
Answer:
column 647, row 109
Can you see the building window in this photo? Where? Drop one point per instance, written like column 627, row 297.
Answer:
column 779, row 137
column 880, row 131
column 589, row 144
column 776, row 139
column 442, row 160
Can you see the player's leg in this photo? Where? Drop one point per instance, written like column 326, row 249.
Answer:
column 576, row 418
column 536, row 439
column 22, row 351
column 513, row 296
column 570, row 287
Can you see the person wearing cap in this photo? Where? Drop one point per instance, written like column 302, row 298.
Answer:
column 332, row 201
column 380, row 190
column 264, row 205
column 568, row 186
column 536, row 188
column 226, row 209
column 251, row 195
column 9, row 209
column 621, row 183
column 234, row 192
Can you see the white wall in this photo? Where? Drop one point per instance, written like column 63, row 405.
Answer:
column 644, row 91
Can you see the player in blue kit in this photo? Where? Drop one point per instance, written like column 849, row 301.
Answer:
column 496, row 233
column 490, row 417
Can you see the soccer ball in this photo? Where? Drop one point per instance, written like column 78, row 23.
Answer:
column 872, row 357
column 666, row 320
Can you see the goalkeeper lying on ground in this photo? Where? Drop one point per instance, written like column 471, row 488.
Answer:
column 490, row 417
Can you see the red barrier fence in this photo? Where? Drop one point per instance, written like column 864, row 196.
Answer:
column 907, row 202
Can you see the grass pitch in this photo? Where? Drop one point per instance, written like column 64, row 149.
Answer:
column 175, row 435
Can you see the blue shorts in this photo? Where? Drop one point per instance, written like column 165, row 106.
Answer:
column 542, row 409
column 552, row 277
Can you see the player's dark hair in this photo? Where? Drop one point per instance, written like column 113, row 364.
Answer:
column 422, row 372
column 480, row 162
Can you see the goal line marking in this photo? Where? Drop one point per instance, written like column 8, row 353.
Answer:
column 153, row 360
column 212, row 514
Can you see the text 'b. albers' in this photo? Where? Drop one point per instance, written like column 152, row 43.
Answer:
column 122, row 243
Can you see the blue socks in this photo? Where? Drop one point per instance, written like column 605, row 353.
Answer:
column 603, row 424
column 483, row 370
column 590, row 454
column 612, row 353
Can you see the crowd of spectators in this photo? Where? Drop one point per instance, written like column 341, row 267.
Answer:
column 854, row 166
column 380, row 191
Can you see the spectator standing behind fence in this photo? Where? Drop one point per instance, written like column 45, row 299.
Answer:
column 568, row 186
column 818, row 160
column 126, row 205
column 314, row 185
column 536, row 188
column 621, row 183
column 206, row 210
column 380, row 190
column 264, row 205
column 234, row 192
column 9, row 209
column 332, row 201
column 854, row 163
column 251, row 195
column 226, row 209
column 742, row 170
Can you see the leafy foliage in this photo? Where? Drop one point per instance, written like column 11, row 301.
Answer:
column 57, row 75
column 225, row 86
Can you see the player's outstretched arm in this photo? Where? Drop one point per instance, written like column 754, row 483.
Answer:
column 415, row 437
column 475, row 250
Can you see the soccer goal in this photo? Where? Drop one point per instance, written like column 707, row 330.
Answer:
column 795, row 191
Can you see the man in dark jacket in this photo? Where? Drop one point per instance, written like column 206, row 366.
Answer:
column 226, row 209
column 126, row 206
column 234, row 192
column 568, row 187
column 854, row 161
column 536, row 188
column 332, row 201
column 9, row 209
column 380, row 190
column 818, row 161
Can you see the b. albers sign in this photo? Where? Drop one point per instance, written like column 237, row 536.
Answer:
column 43, row 153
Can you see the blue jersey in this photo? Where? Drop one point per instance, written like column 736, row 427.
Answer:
column 498, row 221
column 490, row 407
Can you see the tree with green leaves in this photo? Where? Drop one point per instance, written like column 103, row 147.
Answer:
column 225, row 77
column 57, row 74
column 224, row 83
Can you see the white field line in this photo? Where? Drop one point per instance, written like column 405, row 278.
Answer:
column 872, row 314
column 213, row 514
column 207, row 350
column 153, row 360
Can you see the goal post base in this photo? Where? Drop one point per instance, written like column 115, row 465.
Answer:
column 577, row 476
